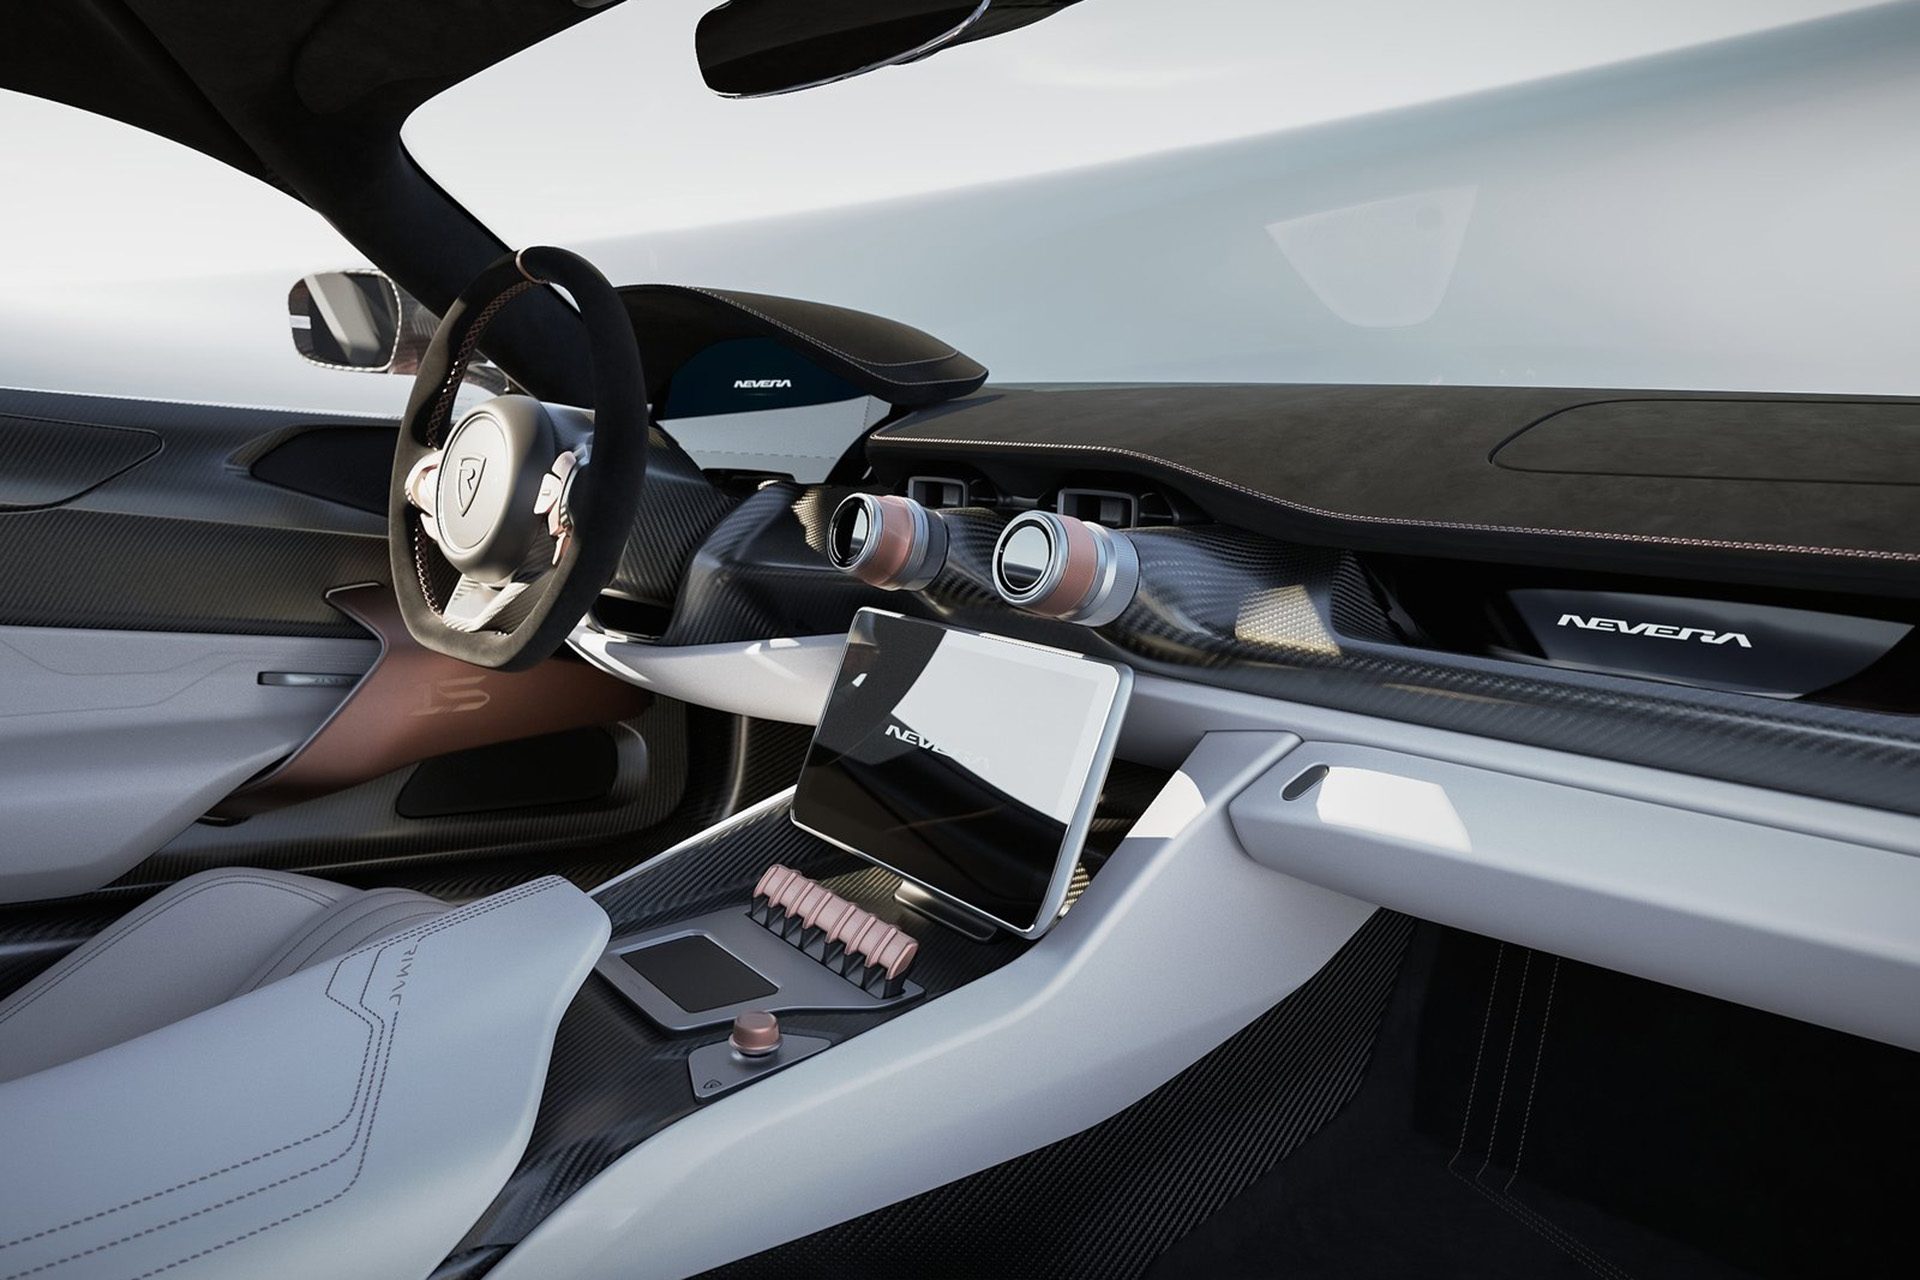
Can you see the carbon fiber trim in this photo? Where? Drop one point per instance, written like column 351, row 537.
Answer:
column 43, row 464
column 1106, row 1202
column 616, row 1079
column 677, row 511
column 72, row 568
column 764, row 573
column 186, row 540
column 1225, row 607
column 34, row 935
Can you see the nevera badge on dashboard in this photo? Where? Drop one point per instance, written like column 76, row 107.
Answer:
column 1657, row 630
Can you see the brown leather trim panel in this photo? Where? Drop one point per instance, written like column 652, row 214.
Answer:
column 415, row 704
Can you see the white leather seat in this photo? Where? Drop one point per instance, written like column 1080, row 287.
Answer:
column 200, row 943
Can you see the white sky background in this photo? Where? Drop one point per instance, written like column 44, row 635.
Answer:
column 140, row 268
column 1105, row 80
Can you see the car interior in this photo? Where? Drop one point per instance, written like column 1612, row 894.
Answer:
column 717, row 784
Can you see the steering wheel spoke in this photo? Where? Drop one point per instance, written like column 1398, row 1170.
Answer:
column 473, row 605
column 555, row 488
column 419, row 490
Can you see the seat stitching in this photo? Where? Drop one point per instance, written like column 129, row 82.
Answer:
column 302, row 935
column 359, row 1167
column 371, row 928
column 354, row 910
column 538, row 886
column 1540, row 1051
column 366, row 1127
column 1473, row 1084
column 353, row 1106
column 1506, row 1065
column 446, row 920
column 120, row 932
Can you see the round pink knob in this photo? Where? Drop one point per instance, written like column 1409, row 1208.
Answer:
column 755, row 1033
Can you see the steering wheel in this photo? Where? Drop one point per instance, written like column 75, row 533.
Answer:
column 506, row 525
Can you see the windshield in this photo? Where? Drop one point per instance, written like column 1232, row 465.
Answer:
column 1635, row 193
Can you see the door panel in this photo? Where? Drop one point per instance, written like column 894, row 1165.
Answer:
column 150, row 582
column 182, row 538
column 113, row 742
column 159, row 560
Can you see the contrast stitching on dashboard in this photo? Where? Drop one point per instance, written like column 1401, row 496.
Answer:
column 844, row 355
column 1718, row 544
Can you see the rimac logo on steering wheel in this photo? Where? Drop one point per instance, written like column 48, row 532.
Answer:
column 467, row 482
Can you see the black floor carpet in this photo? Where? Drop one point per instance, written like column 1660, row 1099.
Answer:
column 1529, row 1116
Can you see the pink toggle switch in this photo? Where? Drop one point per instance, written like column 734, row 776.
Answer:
column 855, row 923
column 772, row 879
column 897, row 953
column 810, row 903
column 867, row 940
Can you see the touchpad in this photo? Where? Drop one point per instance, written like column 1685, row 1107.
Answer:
column 697, row 973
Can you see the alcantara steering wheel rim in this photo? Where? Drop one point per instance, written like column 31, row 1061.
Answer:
column 506, row 524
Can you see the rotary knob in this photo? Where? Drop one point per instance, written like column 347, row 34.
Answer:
column 886, row 541
column 756, row 1034
column 1065, row 568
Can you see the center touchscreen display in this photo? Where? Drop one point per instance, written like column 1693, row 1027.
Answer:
column 966, row 763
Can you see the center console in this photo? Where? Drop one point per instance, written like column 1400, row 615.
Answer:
column 956, row 798
column 967, row 766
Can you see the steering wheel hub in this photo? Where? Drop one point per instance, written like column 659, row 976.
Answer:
column 488, row 481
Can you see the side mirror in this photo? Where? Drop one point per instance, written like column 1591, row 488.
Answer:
column 757, row 48
column 362, row 321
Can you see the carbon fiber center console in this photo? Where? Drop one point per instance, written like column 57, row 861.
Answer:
column 619, row 1077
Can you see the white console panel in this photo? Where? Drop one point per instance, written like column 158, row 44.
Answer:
column 1179, row 942
column 1812, row 927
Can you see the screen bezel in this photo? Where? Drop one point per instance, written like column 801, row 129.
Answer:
column 1072, row 842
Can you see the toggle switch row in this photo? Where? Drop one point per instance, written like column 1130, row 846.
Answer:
column 851, row 941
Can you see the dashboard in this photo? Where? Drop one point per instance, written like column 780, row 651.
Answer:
column 1725, row 586
column 1434, row 641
